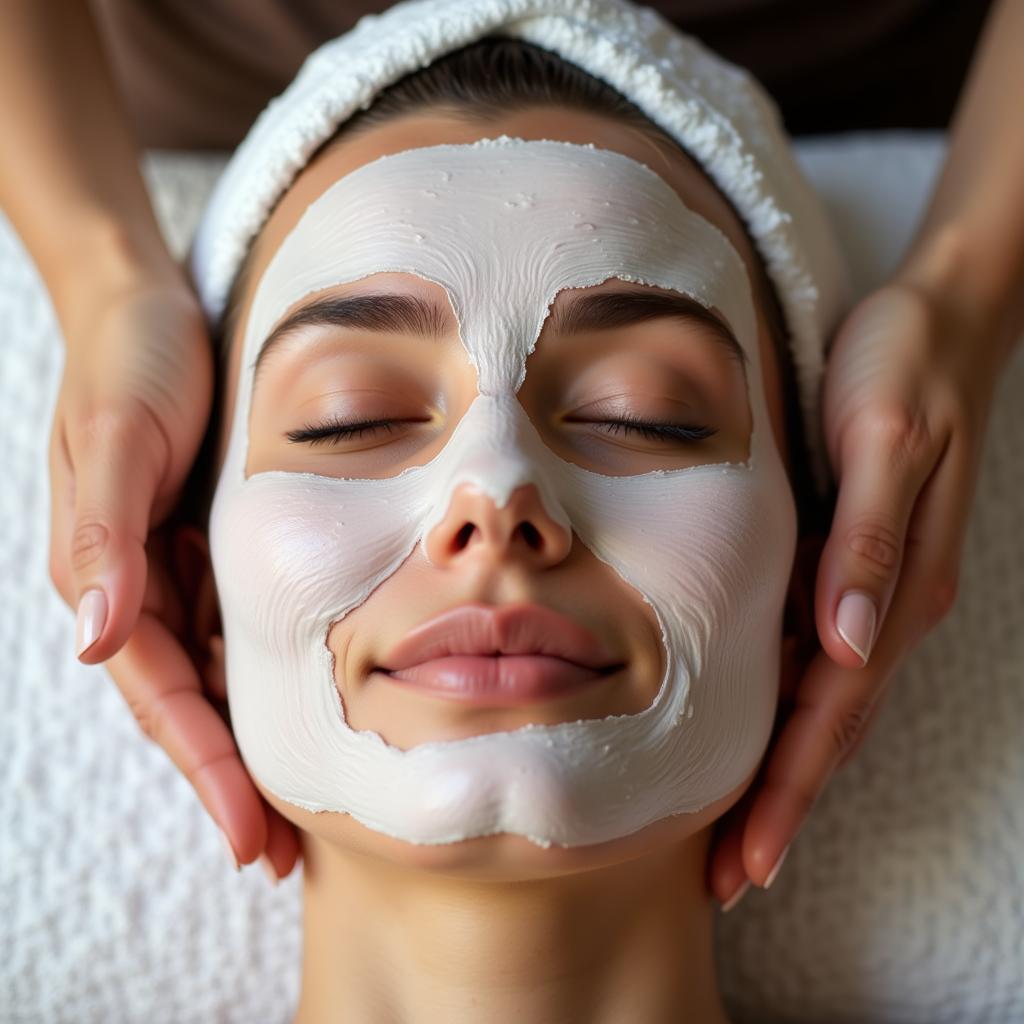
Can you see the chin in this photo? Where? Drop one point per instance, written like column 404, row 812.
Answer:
column 496, row 858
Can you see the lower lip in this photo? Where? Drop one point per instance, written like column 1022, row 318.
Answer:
column 507, row 680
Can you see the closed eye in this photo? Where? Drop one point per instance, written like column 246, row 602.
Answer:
column 651, row 430
column 336, row 431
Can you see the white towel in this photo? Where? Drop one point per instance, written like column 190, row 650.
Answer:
column 715, row 110
column 901, row 903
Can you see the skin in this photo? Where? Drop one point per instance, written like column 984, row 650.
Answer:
column 497, row 928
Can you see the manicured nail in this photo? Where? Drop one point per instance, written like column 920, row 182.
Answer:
column 231, row 851
column 268, row 867
column 736, row 897
column 92, row 615
column 774, row 873
column 855, row 619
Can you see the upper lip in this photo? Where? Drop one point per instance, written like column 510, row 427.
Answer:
column 478, row 629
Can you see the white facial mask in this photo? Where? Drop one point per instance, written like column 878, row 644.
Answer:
column 503, row 226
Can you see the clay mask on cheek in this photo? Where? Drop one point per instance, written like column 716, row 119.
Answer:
column 503, row 226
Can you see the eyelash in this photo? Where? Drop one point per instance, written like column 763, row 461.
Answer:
column 656, row 431
column 334, row 431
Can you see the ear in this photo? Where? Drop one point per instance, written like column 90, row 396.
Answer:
column 799, row 632
column 194, row 577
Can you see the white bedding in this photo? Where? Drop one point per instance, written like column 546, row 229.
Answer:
column 901, row 903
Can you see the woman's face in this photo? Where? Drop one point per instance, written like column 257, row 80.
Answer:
column 381, row 386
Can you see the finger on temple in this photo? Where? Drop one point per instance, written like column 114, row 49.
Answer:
column 116, row 466
column 163, row 690
column 880, row 480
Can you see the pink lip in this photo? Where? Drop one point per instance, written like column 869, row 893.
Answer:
column 510, row 655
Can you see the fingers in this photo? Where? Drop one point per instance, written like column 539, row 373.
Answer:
column 833, row 705
column 884, row 463
column 727, row 877
column 935, row 539
column 283, row 849
column 117, row 462
column 163, row 690
column 62, row 510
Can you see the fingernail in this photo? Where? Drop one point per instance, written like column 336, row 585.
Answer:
column 774, row 873
column 268, row 867
column 855, row 619
column 89, row 622
column 231, row 851
column 736, row 897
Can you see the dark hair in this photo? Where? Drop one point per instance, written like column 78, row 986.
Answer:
column 486, row 79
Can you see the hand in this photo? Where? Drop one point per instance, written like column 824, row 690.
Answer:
column 131, row 412
column 906, row 398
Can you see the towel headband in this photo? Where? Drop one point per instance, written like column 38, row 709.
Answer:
column 713, row 109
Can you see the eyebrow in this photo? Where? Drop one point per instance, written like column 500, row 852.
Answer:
column 608, row 310
column 384, row 313
column 390, row 313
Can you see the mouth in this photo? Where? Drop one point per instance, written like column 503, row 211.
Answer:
column 504, row 656
column 504, row 680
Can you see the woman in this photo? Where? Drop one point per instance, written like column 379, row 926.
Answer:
column 525, row 555
column 958, row 282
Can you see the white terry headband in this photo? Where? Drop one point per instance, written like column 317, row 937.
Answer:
column 712, row 108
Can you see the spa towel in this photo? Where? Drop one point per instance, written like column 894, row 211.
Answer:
column 902, row 902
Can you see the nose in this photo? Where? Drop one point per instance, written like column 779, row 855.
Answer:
column 474, row 526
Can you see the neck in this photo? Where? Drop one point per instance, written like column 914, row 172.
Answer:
column 388, row 943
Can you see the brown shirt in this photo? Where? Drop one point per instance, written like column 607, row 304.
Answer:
column 195, row 74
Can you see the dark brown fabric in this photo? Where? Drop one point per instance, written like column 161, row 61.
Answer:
column 195, row 74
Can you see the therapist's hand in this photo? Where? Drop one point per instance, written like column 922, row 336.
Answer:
column 907, row 392
column 131, row 412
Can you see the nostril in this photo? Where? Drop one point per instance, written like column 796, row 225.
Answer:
column 531, row 535
column 462, row 537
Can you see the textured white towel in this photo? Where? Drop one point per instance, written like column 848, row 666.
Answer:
column 901, row 903
column 714, row 109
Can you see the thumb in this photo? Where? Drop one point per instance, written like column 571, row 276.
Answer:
column 883, row 468
column 117, row 462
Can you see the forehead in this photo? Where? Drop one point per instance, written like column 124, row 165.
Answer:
column 503, row 226
column 429, row 129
